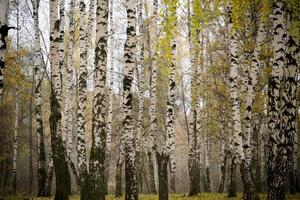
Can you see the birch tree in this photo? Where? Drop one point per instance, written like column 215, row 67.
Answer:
column 281, row 99
column 82, row 90
column 141, row 87
column 168, row 151
column 194, row 133
column 62, row 175
column 4, row 5
column 249, row 188
column 152, row 37
column 42, row 173
column 131, row 190
column 15, row 142
column 69, row 92
column 110, row 91
column 98, row 150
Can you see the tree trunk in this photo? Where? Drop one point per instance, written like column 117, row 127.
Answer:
column 151, row 173
column 236, row 117
column 282, row 102
column 207, row 160
column 15, row 143
column 42, row 174
column 232, row 178
column 81, row 100
column 169, row 148
column 194, row 133
column 152, row 37
column 4, row 5
column 49, row 178
column 62, row 175
column 119, row 170
column 256, row 158
column 98, row 150
column 223, row 163
column 141, row 87
column 162, row 169
column 131, row 192
column 110, row 95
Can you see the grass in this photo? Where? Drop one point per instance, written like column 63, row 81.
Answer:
column 203, row 196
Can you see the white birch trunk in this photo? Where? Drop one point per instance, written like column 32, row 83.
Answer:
column 99, row 135
column 250, row 88
column 15, row 142
column 4, row 8
column 38, row 102
column 82, row 98
column 131, row 190
column 249, row 188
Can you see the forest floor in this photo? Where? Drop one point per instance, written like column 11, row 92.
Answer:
column 203, row 196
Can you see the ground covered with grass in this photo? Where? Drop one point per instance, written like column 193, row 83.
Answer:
column 203, row 196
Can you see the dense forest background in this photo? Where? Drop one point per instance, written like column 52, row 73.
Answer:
column 149, row 97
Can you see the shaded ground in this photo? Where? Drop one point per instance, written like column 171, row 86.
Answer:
column 203, row 196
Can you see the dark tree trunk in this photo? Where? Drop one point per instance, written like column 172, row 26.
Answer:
column 139, row 171
column 162, row 167
column 249, row 186
column 74, row 171
column 292, row 181
column 62, row 175
column 42, row 173
column 223, row 173
column 48, row 183
column 207, row 180
column 95, row 183
column 256, row 160
column 151, row 174
column 276, row 193
column 194, row 171
column 232, row 178
column 106, row 177
column 119, row 177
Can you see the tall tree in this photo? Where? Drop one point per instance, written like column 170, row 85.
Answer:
column 82, row 90
column 249, row 188
column 110, row 91
column 281, row 99
column 131, row 190
column 152, row 37
column 68, row 122
column 62, row 175
column 141, row 87
column 98, row 150
column 194, row 131
column 42, row 173
column 168, row 151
